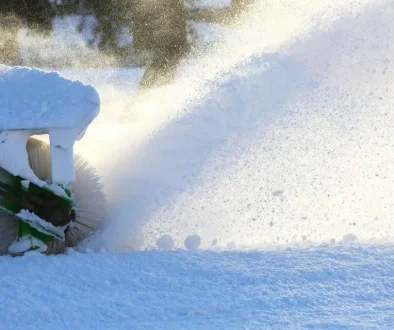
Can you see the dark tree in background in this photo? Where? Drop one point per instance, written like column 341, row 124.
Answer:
column 111, row 18
column 35, row 14
column 160, row 27
column 156, row 27
column 9, row 51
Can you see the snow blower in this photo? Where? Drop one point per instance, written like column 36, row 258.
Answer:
column 49, row 198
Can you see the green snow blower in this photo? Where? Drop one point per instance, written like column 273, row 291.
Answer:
column 40, row 207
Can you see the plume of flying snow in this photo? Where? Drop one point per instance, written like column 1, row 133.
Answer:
column 280, row 134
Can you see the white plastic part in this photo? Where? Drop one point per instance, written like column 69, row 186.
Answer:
column 38, row 102
column 62, row 156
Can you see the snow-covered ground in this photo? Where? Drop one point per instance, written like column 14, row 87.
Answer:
column 322, row 288
column 275, row 151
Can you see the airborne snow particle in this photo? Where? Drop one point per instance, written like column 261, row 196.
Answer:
column 231, row 246
column 214, row 242
column 349, row 238
column 277, row 193
column 192, row 242
column 165, row 242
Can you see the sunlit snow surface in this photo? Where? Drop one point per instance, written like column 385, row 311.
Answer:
column 323, row 288
column 282, row 137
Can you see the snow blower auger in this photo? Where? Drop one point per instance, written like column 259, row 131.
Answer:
column 46, row 204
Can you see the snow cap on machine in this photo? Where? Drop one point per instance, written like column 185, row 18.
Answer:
column 32, row 102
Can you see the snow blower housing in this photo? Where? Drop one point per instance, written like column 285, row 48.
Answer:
column 34, row 102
